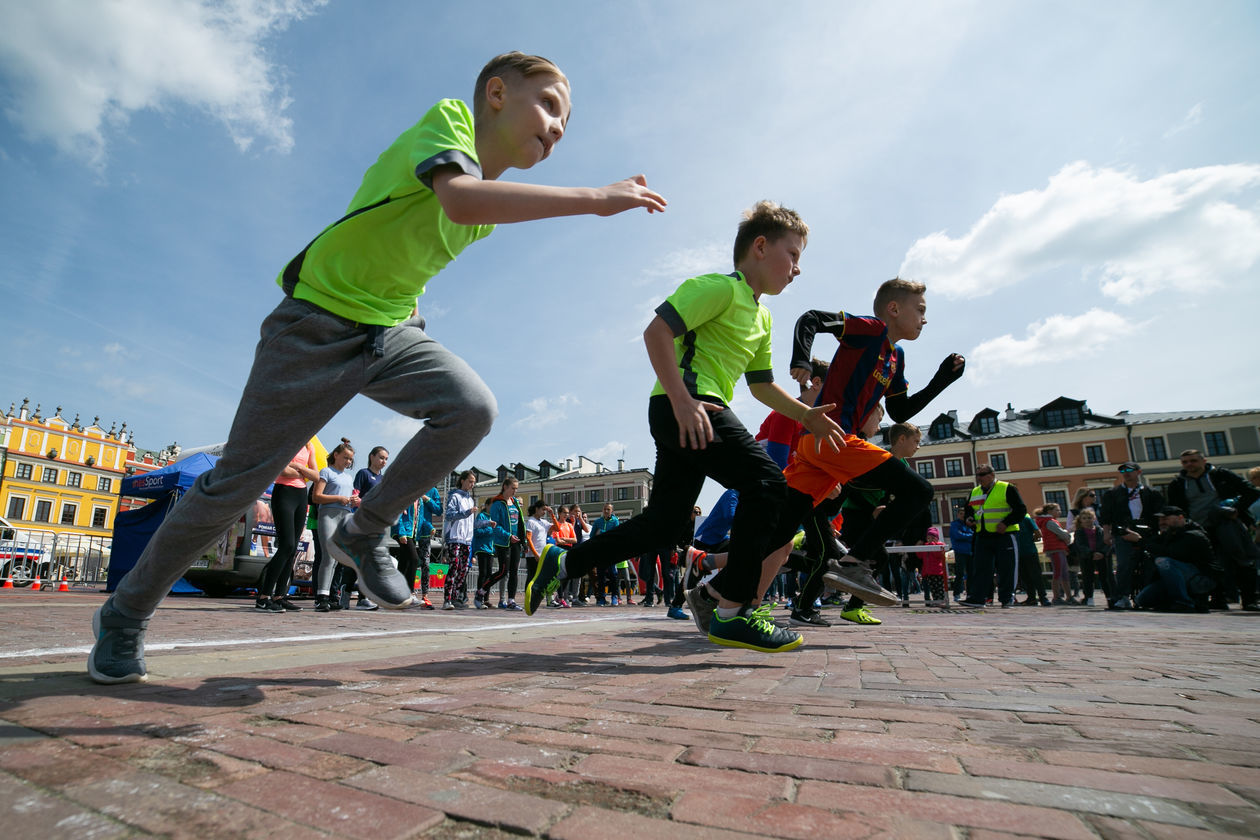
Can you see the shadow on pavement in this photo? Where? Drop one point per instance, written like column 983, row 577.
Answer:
column 218, row 692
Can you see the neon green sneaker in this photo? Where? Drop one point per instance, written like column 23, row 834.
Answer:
column 859, row 615
column 753, row 629
column 546, row 579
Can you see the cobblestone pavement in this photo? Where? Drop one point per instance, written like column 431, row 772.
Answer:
column 1063, row 722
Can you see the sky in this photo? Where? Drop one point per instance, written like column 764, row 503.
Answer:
column 1078, row 184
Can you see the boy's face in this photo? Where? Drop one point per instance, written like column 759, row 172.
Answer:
column 779, row 261
column 529, row 115
column 906, row 317
column 906, row 446
column 871, row 427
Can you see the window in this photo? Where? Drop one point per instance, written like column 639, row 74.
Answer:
column 74, row 479
column 926, row 469
column 1217, row 443
column 1059, row 418
column 1049, row 458
column 1095, row 454
column 594, row 497
column 22, row 471
column 98, row 516
column 953, row 467
column 43, row 510
column 941, row 429
column 998, row 461
column 987, row 424
column 1155, row 450
column 566, row 498
column 105, row 485
column 532, row 499
column 623, row 494
column 1059, row 497
column 50, row 475
column 17, row 507
column 68, row 512
column 935, row 511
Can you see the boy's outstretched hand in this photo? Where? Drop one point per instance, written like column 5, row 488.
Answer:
column 628, row 194
column 823, row 427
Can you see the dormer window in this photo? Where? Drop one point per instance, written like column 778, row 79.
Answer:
column 987, row 424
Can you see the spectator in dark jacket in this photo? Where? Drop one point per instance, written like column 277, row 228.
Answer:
column 1183, row 565
column 1127, row 504
column 1202, row 490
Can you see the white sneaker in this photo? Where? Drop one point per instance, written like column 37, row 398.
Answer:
column 366, row 604
column 1089, row 602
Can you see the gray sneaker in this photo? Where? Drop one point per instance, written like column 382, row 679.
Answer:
column 852, row 576
column 367, row 605
column 703, row 606
column 118, row 655
column 379, row 580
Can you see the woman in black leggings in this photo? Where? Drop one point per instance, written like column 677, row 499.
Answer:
column 288, row 509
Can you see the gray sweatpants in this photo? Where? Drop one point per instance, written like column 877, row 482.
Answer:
column 309, row 363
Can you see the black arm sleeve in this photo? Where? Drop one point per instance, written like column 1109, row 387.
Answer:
column 807, row 326
column 901, row 407
column 1018, row 509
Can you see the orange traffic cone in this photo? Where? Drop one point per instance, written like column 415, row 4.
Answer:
column 35, row 584
column 8, row 582
column 65, row 587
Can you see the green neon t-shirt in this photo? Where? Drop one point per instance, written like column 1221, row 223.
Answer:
column 371, row 268
column 720, row 332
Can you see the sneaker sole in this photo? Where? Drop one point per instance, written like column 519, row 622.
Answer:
column 879, row 597
column 97, row 676
column 691, row 600
column 341, row 556
column 732, row 643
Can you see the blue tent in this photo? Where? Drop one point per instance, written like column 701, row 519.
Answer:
column 133, row 528
column 178, row 477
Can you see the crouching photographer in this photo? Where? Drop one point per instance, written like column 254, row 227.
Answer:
column 1184, row 568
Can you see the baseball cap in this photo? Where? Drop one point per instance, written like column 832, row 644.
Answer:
column 1128, row 466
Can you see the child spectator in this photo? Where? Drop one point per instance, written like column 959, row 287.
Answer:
column 934, row 577
column 1054, row 541
column 1090, row 550
column 457, row 530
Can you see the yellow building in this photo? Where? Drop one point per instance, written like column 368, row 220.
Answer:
column 61, row 477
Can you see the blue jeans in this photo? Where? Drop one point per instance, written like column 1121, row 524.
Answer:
column 1169, row 589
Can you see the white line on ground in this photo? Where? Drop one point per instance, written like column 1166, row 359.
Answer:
column 326, row 637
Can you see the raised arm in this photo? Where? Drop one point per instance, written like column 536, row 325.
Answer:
column 469, row 200
column 807, row 326
column 901, row 407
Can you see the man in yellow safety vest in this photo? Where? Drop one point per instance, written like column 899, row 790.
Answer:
column 998, row 510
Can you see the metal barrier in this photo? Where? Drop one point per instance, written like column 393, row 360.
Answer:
column 27, row 554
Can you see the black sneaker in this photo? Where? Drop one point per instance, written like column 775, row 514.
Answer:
column 808, row 619
column 753, row 629
column 118, row 654
column 703, row 607
column 546, row 579
column 852, row 576
column 379, row 579
column 288, row 605
column 272, row 606
column 321, row 604
column 260, row 604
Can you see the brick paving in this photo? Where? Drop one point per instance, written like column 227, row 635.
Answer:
column 1062, row 722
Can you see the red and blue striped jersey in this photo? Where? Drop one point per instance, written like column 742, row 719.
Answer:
column 866, row 367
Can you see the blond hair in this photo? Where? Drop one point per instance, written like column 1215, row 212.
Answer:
column 896, row 289
column 770, row 220
column 513, row 65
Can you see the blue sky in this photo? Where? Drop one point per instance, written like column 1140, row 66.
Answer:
column 1077, row 183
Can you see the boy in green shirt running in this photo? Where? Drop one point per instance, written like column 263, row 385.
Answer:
column 704, row 336
column 349, row 325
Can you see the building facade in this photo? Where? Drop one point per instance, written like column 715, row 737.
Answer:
column 1051, row 451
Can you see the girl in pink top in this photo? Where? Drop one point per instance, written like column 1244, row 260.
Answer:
column 288, row 509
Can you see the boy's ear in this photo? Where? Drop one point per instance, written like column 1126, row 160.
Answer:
column 496, row 92
column 758, row 247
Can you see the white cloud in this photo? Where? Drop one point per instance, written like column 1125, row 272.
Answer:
column 77, row 69
column 690, row 262
column 607, row 454
column 1192, row 118
column 546, row 411
column 1138, row 237
column 1059, row 338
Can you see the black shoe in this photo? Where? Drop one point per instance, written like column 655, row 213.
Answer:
column 808, row 619
column 272, row 606
column 260, row 604
column 321, row 604
column 288, row 605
